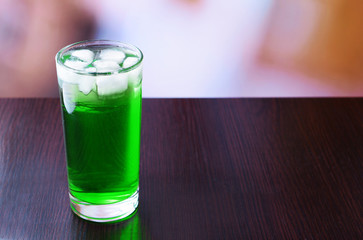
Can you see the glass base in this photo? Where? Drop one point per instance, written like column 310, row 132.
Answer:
column 105, row 213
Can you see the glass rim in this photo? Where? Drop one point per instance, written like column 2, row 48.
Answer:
column 98, row 42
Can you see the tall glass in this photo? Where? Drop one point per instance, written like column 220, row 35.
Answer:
column 100, row 91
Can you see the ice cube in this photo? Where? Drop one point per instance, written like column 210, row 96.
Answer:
column 111, row 84
column 135, row 76
column 86, row 84
column 114, row 55
column 76, row 64
column 129, row 52
column 91, row 69
column 66, row 75
column 130, row 61
column 84, row 55
column 69, row 94
column 106, row 66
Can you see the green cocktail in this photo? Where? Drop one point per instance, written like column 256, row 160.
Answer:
column 100, row 89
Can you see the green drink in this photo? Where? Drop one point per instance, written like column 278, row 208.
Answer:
column 100, row 89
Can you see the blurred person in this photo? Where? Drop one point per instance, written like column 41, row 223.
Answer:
column 192, row 48
column 31, row 33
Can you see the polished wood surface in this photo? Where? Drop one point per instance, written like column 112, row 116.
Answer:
column 210, row 169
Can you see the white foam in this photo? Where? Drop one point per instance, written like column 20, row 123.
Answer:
column 106, row 66
column 84, row 55
column 114, row 55
column 111, row 84
column 130, row 61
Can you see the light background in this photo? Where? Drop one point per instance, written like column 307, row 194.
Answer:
column 194, row 48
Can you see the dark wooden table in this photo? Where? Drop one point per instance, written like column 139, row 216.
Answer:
column 210, row 169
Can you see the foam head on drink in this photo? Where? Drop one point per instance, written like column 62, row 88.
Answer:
column 100, row 88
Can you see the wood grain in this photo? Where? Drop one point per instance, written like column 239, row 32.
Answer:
column 210, row 169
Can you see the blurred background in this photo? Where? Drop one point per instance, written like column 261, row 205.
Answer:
column 194, row 48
